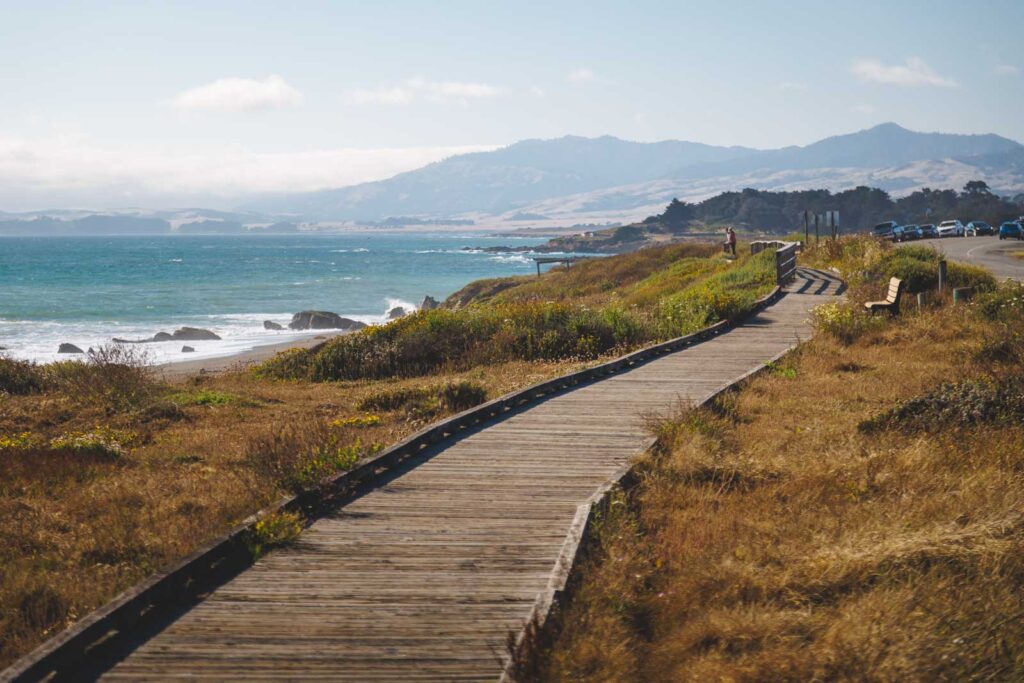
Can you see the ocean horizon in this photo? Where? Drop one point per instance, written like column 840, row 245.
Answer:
column 88, row 290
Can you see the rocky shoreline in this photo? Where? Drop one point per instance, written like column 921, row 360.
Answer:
column 300, row 322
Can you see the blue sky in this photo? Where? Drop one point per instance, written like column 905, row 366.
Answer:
column 143, row 102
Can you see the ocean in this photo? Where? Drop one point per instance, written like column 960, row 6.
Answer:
column 88, row 290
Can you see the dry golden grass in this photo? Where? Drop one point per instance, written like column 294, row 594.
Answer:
column 772, row 539
column 78, row 528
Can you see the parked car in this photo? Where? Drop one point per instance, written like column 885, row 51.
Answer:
column 1011, row 230
column 885, row 230
column 952, row 228
column 904, row 233
column 976, row 228
column 928, row 230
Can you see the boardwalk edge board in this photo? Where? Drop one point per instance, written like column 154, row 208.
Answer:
column 185, row 582
column 566, row 572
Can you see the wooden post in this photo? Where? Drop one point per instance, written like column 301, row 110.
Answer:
column 942, row 274
column 807, row 228
column 538, row 268
column 817, row 235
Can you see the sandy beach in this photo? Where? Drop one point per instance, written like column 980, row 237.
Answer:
column 238, row 362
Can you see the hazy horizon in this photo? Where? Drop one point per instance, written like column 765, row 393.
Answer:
column 206, row 104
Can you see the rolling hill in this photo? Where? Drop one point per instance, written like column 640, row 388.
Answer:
column 591, row 178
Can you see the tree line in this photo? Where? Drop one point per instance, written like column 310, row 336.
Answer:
column 859, row 208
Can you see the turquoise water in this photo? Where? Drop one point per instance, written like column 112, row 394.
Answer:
column 86, row 290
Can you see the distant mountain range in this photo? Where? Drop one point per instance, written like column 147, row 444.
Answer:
column 574, row 180
column 608, row 178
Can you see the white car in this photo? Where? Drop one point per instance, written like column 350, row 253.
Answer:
column 951, row 229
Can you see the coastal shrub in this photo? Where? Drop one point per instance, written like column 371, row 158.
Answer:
column 103, row 442
column 20, row 441
column 724, row 295
column 669, row 280
column 115, row 377
column 867, row 261
column 429, row 341
column 517, row 325
column 1002, row 304
column 289, row 364
column 956, row 404
column 964, row 275
column 298, row 455
column 203, row 397
column 917, row 275
column 357, row 421
column 275, row 529
column 843, row 321
column 20, row 376
column 428, row 401
column 459, row 396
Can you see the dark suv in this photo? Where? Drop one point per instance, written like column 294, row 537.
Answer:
column 903, row 233
column 976, row 228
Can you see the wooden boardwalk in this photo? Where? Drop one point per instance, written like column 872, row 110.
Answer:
column 422, row 578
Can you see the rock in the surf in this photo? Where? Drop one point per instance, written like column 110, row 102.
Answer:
column 69, row 348
column 271, row 325
column 429, row 303
column 181, row 334
column 187, row 349
column 193, row 334
column 396, row 313
column 323, row 320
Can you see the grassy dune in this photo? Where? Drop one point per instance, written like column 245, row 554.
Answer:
column 854, row 513
column 592, row 309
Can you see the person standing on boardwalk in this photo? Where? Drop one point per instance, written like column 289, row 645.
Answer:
column 730, row 240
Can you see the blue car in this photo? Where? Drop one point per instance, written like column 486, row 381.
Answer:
column 903, row 233
column 929, row 230
column 1011, row 230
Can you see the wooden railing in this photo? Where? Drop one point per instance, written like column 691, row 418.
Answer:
column 116, row 626
column 785, row 262
column 785, row 257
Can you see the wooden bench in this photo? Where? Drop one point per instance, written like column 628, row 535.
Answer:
column 892, row 299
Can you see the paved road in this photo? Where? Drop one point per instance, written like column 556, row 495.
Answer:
column 988, row 252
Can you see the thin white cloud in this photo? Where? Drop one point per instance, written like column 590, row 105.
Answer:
column 915, row 72
column 239, row 94
column 792, row 85
column 865, row 108
column 537, row 91
column 1005, row 70
column 50, row 173
column 419, row 88
column 582, row 75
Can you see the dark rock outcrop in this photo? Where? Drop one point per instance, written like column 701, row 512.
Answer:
column 181, row 334
column 187, row 349
column 193, row 334
column 69, row 348
column 323, row 320
column 396, row 313
column 271, row 325
column 429, row 303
